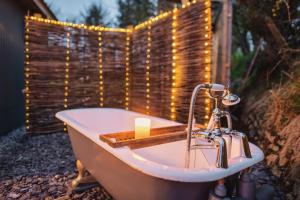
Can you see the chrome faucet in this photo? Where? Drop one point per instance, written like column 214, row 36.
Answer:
column 214, row 132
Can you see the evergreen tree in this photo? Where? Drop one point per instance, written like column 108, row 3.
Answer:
column 94, row 15
column 133, row 12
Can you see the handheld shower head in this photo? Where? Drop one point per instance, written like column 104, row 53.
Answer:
column 230, row 99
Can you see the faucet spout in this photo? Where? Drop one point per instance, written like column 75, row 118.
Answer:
column 191, row 117
column 245, row 143
column 222, row 161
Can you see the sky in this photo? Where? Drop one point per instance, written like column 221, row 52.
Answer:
column 71, row 9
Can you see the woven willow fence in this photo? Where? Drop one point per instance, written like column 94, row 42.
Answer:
column 151, row 68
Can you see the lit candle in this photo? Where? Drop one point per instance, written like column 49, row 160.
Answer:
column 142, row 128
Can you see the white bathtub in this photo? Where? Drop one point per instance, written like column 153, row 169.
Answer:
column 158, row 172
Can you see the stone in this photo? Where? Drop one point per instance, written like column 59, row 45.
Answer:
column 51, row 190
column 23, row 190
column 289, row 196
column 271, row 159
column 269, row 136
column 63, row 198
column 13, row 195
column 275, row 148
column 276, row 171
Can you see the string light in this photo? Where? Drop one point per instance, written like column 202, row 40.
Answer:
column 162, row 16
column 67, row 72
column 174, row 64
column 101, row 85
column 152, row 20
column 127, row 83
column 81, row 26
column 101, row 28
column 148, row 58
column 27, row 71
column 207, row 54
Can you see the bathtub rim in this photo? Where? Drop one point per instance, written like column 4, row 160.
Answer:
column 128, row 156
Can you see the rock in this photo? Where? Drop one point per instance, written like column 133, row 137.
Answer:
column 8, row 182
column 295, row 174
column 276, row 171
column 271, row 159
column 77, row 196
column 23, row 190
column 16, row 188
column 269, row 136
column 51, row 190
column 275, row 148
column 13, row 195
column 19, row 178
column 283, row 161
column 24, row 197
column 289, row 196
column 63, row 198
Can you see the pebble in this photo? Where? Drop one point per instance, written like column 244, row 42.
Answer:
column 13, row 195
column 46, row 166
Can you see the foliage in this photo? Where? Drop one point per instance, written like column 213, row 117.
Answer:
column 271, row 94
column 133, row 12
column 94, row 15
column 239, row 64
column 276, row 24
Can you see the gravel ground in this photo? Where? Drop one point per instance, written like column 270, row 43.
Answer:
column 42, row 167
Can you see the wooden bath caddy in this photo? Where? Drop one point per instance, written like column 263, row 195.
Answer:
column 157, row 136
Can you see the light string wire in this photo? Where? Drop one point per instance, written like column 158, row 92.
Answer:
column 27, row 71
column 208, row 54
column 81, row 26
column 148, row 64
column 174, row 64
column 127, row 74
column 67, row 73
column 100, row 63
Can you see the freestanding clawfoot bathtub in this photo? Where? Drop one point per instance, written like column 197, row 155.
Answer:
column 150, row 173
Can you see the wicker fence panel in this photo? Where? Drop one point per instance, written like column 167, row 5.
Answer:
column 46, row 77
column 114, row 69
column 138, row 71
column 192, row 64
column 161, row 70
column 151, row 68
column 83, row 74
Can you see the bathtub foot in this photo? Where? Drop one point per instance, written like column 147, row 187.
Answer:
column 83, row 177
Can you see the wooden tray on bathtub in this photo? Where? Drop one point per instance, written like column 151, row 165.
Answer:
column 157, row 136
